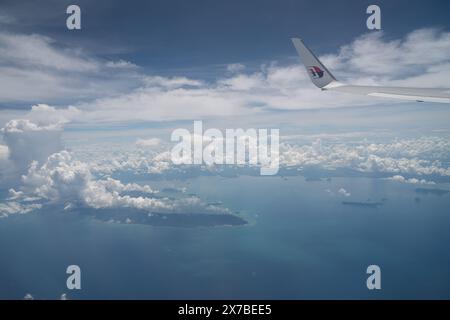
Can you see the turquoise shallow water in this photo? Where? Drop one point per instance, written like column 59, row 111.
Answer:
column 302, row 243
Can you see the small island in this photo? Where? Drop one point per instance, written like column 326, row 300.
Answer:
column 362, row 204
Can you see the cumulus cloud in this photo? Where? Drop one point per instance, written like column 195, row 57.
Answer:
column 344, row 192
column 171, row 83
column 51, row 174
column 35, row 68
column 39, row 51
column 402, row 179
column 47, row 115
column 422, row 156
column 397, row 60
column 28, row 141
column 83, row 176
column 34, row 137
column 12, row 207
column 418, row 59
column 61, row 179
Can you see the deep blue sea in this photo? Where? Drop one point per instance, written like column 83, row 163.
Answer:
column 301, row 243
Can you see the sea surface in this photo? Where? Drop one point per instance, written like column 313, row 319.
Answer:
column 301, row 242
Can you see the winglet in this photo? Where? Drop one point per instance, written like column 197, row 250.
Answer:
column 318, row 73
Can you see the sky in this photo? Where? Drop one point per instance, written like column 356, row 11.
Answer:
column 153, row 33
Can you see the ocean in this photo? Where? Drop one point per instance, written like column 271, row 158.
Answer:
column 301, row 242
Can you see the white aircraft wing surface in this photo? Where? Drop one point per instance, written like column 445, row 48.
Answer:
column 323, row 79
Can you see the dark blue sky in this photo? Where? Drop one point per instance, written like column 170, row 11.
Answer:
column 173, row 35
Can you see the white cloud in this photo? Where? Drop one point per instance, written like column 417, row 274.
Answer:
column 235, row 67
column 370, row 59
column 47, row 115
column 36, row 69
column 61, row 179
column 115, row 91
column 151, row 142
column 421, row 156
column 54, row 176
column 82, row 176
column 344, row 192
column 28, row 141
column 402, row 179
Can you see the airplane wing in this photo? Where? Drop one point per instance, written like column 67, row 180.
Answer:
column 323, row 79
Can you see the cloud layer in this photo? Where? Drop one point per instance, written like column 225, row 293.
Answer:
column 105, row 91
column 411, row 158
column 63, row 180
column 35, row 69
column 84, row 177
column 48, row 174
